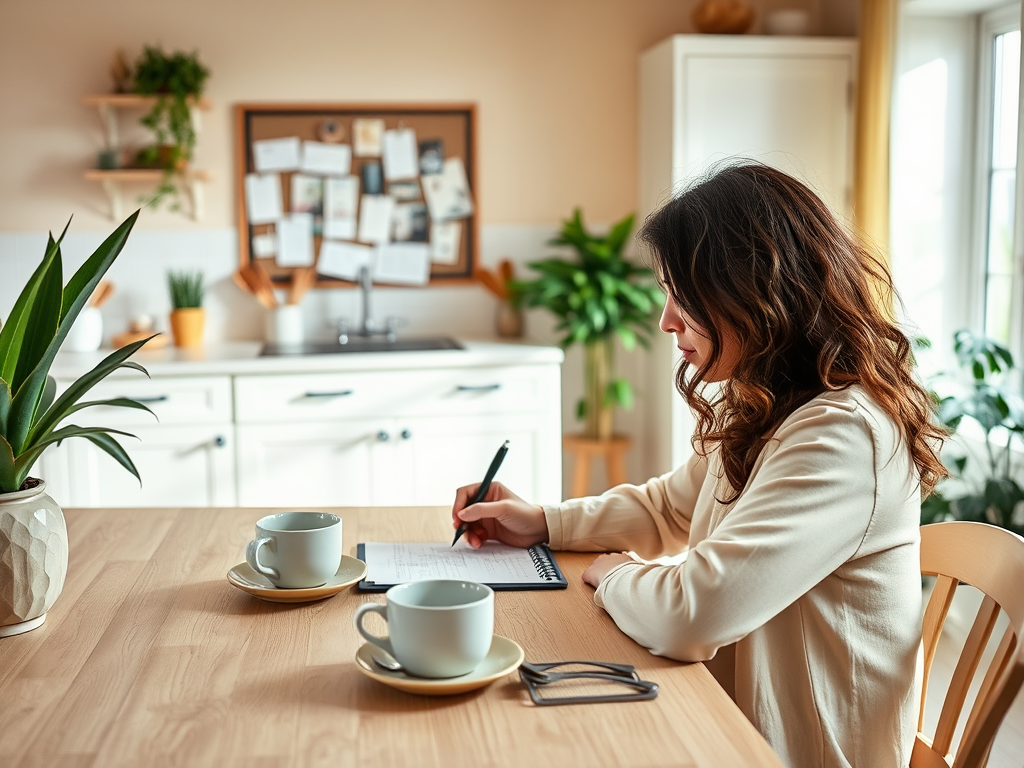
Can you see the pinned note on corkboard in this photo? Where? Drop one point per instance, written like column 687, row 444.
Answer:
column 340, row 187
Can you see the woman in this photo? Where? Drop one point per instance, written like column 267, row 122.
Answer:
column 799, row 510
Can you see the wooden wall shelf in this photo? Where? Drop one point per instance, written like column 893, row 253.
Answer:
column 114, row 182
column 133, row 100
column 109, row 103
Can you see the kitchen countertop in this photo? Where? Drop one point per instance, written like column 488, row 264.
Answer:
column 243, row 357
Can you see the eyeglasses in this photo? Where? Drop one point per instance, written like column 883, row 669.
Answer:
column 584, row 682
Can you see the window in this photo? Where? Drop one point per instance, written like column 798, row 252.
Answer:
column 999, row 84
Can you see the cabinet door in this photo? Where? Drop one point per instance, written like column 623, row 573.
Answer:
column 791, row 111
column 181, row 466
column 355, row 462
column 173, row 400
column 452, row 452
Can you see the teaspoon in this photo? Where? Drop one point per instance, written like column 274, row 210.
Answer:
column 387, row 663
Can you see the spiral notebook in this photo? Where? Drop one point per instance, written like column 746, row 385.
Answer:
column 497, row 565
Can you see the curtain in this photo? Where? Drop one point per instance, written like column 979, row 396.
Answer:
column 874, row 93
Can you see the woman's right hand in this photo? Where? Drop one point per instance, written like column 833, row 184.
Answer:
column 501, row 515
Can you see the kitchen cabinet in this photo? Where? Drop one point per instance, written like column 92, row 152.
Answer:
column 180, row 466
column 115, row 181
column 705, row 99
column 380, row 439
column 384, row 429
column 184, row 452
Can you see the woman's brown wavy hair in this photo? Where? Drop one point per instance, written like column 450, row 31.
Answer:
column 752, row 251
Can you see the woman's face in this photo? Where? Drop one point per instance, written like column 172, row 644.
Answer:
column 693, row 342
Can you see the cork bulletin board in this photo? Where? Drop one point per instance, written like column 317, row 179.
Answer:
column 444, row 137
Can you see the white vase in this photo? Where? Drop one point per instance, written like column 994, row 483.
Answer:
column 86, row 333
column 33, row 558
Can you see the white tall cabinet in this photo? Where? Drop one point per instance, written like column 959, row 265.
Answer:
column 705, row 99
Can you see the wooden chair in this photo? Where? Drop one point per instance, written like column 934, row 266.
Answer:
column 990, row 559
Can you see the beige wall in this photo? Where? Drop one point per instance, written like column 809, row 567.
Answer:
column 554, row 81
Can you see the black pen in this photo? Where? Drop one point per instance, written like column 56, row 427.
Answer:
column 481, row 494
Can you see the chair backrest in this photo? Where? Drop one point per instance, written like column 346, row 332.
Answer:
column 991, row 560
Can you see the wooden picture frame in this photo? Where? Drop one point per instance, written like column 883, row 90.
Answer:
column 452, row 125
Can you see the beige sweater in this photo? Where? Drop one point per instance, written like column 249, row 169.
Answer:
column 813, row 573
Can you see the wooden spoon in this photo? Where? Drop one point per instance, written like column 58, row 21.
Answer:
column 248, row 279
column 506, row 270
column 240, row 281
column 103, row 291
column 266, row 285
column 492, row 283
column 303, row 278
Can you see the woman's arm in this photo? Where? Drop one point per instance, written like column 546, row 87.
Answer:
column 804, row 513
column 652, row 519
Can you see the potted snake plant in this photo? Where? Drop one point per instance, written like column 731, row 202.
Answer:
column 33, row 536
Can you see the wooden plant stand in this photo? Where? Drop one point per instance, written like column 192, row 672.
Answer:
column 584, row 450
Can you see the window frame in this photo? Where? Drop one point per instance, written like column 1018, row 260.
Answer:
column 991, row 24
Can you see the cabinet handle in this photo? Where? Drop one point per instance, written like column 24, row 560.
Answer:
column 383, row 436
column 157, row 399
column 339, row 393
column 406, row 434
column 480, row 388
column 219, row 441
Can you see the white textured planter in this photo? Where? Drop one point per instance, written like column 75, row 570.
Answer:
column 33, row 558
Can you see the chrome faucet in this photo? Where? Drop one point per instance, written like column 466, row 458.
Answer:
column 368, row 326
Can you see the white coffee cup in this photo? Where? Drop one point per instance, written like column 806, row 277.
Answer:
column 296, row 549
column 436, row 627
column 86, row 333
column 284, row 325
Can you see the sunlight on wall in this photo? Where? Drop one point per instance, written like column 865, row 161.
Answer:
column 919, row 194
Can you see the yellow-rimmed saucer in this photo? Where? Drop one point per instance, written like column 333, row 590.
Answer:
column 504, row 657
column 350, row 570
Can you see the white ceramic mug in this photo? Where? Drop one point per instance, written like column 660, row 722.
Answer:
column 436, row 627
column 86, row 333
column 284, row 325
column 296, row 550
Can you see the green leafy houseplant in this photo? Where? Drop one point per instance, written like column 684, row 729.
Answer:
column 38, row 323
column 597, row 297
column 985, row 485
column 176, row 80
column 186, row 289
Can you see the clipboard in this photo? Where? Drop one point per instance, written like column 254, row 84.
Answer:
column 499, row 566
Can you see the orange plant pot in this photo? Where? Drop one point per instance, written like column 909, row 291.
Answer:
column 187, row 326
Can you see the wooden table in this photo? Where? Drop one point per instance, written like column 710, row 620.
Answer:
column 150, row 657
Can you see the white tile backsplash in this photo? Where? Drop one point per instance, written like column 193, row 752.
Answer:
column 140, row 275
column 465, row 311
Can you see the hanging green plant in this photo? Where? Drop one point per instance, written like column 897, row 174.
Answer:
column 597, row 297
column 177, row 80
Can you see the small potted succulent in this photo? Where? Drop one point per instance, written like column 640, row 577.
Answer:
column 33, row 536
column 187, row 314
